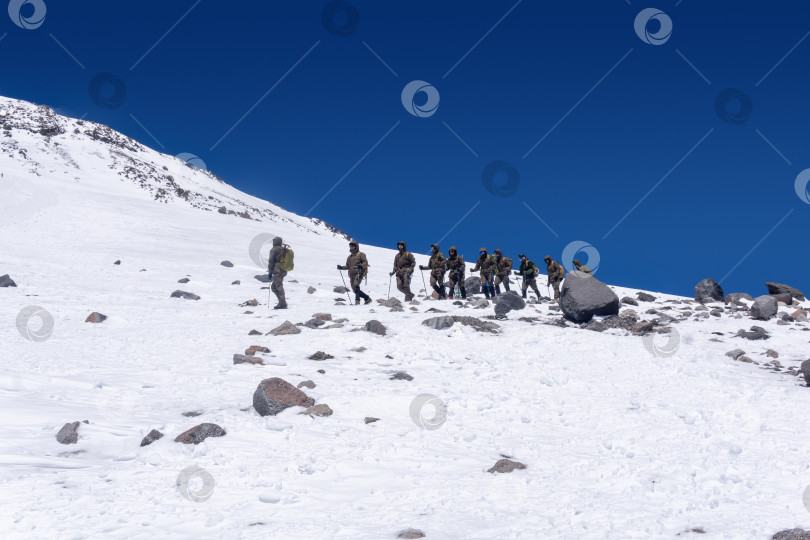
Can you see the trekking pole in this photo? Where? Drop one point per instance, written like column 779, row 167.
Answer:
column 269, row 292
column 389, row 285
column 423, row 283
column 345, row 287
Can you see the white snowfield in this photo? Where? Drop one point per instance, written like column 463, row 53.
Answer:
column 618, row 442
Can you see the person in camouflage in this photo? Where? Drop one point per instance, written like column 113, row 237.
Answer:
column 582, row 268
column 456, row 269
column 555, row 273
column 276, row 273
column 503, row 265
column 487, row 265
column 436, row 267
column 404, row 264
column 529, row 272
column 357, row 265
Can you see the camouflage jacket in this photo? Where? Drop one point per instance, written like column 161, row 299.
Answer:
column 357, row 264
column 455, row 265
column 528, row 270
column 555, row 272
column 404, row 262
column 485, row 263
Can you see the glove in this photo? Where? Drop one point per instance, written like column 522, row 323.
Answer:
column 391, row 273
column 422, row 267
column 339, row 267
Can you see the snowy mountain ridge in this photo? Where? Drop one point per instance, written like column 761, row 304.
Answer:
column 37, row 139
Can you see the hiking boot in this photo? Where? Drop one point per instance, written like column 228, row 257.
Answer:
column 524, row 294
column 409, row 297
column 281, row 305
column 497, row 289
column 463, row 293
column 357, row 301
column 368, row 300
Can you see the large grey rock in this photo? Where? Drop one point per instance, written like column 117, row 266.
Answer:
column 199, row 433
column 736, row 353
column 340, row 289
column 390, row 302
column 473, row 285
column 285, row 329
column 508, row 301
column 227, row 264
column 645, row 297
column 375, row 327
column 583, row 297
column 185, row 295
column 764, row 307
column 478, row 324
column 6, row 281
column 439, row 323
column 274, row 395
column 708, row 291
column 781, row 288
column 69, row 434
column 737, row 296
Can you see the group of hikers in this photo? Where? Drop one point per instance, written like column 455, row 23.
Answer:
column 494, row 272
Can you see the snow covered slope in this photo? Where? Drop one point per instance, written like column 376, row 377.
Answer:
column 618, row 442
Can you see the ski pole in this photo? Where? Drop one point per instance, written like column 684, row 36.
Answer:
column 423, row 283
column 345, row 287
column 390, row 277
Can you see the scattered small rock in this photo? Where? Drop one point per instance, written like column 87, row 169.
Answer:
column 630, row 301
column 183, row 280
column 735, row 297
column 199, row 433
column 307, row 384
column 263, row 278
column 322, row 316
column 340, row 289
column 736, row 353
column 318, row 410
column 439, row 323
column 95, row 318
column 400, row 376
column 389, row 303
column 227, row 264
column 320, row 356
column 69, row 434
column 6, row 281
column 311, row 290
column 185, row 295
column 645, row 297
column 253, row 349
column 247, row 359
column 151, row 437
column 250, row 303
column 375, row 327
column 506, row 465
column 411, row 533
column 117, row 262
column 370, row 420
column 254, row 333
column 792, row 534
column 237, row 282
column 285, row 329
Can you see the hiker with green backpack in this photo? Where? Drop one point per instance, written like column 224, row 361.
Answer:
column 280, row 261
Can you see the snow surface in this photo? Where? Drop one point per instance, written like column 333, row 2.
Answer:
column 618, row 443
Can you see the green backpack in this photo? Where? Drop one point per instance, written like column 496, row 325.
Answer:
column 287, row 260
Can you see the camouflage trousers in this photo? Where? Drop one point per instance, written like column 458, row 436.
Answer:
column 356, row 280
column 502, row 278
column 556, row 286
column 486, row 279
column 277, row 286
column 531, row 283
column 437, row 279
column 404, row 283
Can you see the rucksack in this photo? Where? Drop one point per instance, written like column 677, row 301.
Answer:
column 287, row 260
column 508, row 263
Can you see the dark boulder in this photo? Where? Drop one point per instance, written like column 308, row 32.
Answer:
column 645, row 297
column 507, row 465
column 263, row 278
column 708, row 291
column 439, row 323
column 473, row 285
column 735, row 297
column 583, row 297
column 274, row 395
column 6, row 281
column 508, row 301
column 805, row 368
column 96, row 318
column 792, row 534
column 780, row 288
column 227, row 264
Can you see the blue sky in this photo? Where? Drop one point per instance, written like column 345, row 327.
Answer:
column 673, row 154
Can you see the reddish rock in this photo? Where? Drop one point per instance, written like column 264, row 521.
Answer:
column 96, row 318
column 253, row 349
column 198, row 434
column 247, row 359
column 274, row 395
